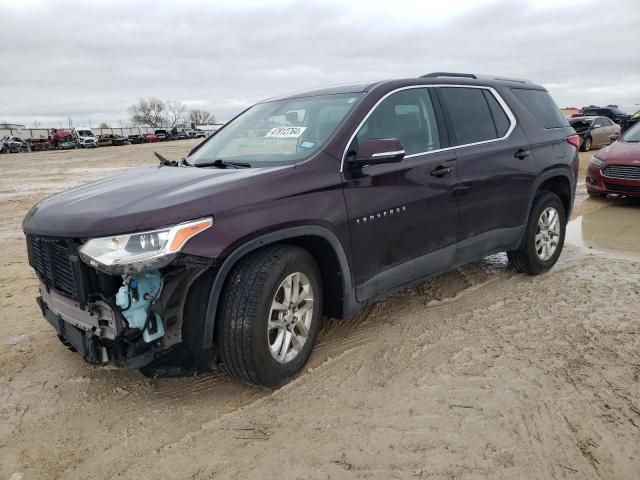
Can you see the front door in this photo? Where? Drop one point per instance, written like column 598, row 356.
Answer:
column 402, row 215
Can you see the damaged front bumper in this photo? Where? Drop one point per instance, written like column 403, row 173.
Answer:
column 130, row 320
column 98, row 332
column 137, row 327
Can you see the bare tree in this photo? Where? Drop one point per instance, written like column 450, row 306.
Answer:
column 175, row 112
column 201, row 117
column 148, row 111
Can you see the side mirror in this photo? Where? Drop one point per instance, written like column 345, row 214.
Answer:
column 614, row 137
column 375, row 151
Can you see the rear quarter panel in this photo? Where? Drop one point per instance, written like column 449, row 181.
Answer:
column 549, row 147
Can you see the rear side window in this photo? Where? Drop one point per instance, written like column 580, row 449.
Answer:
column 541, row 106
column 470, row 114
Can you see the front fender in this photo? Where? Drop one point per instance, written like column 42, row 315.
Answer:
column 261, row 241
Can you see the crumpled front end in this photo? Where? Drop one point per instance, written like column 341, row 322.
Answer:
column 129, row 320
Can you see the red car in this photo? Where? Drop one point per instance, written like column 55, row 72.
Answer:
column 616, row 168
column 152, row 137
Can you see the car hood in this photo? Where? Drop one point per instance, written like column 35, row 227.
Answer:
column 621, row 153
column 581, row 128
column 141, row 198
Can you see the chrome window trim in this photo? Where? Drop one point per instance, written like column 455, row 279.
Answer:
column 501, row 102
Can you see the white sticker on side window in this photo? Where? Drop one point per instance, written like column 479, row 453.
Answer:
column 286, row 132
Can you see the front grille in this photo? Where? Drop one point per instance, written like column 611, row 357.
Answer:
column 54, row 264
column 612, row 187
column 622, row 171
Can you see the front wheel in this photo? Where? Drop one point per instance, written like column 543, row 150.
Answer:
column 544, row 236
column 269, row 315
column 586, row 145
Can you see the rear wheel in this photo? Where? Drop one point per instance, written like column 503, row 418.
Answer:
column 586, row 145
column 269, row 315
column 544, row 236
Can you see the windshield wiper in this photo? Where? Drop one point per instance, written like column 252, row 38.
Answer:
column 219, row 163
column 164, row 161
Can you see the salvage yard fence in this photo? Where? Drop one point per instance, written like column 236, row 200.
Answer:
column 34, row 133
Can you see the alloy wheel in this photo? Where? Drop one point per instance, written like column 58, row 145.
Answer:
column 290, row 317
column 547, row 233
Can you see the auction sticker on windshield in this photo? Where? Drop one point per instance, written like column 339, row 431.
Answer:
column 286, row 132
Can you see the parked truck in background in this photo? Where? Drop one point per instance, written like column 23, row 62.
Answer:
column 85, row 137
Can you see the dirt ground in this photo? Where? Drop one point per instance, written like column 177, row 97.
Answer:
column 478, row 373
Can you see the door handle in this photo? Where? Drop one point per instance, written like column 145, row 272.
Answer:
column 522, row 153
column 441, row 171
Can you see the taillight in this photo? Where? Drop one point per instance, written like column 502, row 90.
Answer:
column 574, row 140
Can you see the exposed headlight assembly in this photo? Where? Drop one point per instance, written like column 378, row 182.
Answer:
column 136, row 252
column 596, row 161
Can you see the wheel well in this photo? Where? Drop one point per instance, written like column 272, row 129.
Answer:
column 561, row 187
column 330, row 271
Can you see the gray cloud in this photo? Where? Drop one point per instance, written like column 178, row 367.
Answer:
column 93, row 60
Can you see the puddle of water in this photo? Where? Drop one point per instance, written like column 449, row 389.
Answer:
column 614, row 230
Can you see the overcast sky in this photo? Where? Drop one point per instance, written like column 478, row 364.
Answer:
column 91, row 60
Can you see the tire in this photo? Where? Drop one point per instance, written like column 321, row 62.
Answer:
column 586, row 145
column 247, row 335
column 527, row 259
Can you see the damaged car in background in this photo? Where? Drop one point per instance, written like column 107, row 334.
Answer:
column 11, row 144
column 594, row 132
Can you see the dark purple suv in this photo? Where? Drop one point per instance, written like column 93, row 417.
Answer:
column 309, row 205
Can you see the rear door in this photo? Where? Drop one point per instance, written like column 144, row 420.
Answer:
column 599, row 133
column 402, row 215
column 610, row 128
column 496, row 170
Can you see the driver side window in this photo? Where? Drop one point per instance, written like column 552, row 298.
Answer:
column 407, row 115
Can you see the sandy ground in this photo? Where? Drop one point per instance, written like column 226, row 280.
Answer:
column 479, row 373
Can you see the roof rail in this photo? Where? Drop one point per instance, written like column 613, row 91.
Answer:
column 448, row 74
column 511, row 79
column 476, row 77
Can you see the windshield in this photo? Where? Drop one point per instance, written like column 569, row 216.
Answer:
column 85, row 133
column 632, row 135
column 278, row 133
